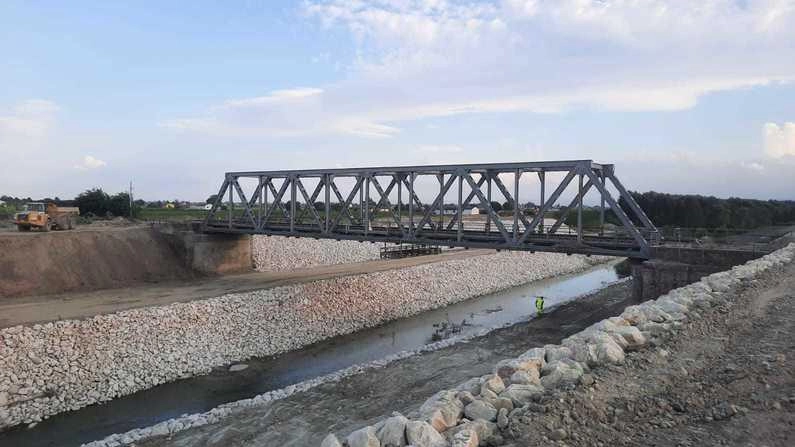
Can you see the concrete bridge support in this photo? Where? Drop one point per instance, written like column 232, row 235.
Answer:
column 673, row 267
column 209, row 253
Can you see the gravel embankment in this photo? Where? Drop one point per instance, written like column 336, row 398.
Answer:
column 509, row 403
column 277, row 253
column 65, row 365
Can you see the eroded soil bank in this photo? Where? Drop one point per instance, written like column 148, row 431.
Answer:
column 86, row 259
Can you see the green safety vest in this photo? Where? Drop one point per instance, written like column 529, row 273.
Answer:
column 540, row 303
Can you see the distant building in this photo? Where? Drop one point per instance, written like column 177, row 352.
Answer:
column 169, row 206
column 474, row 211
column 2, row 202
column 208, row 206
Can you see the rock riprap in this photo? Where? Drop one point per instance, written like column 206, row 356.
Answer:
column 65, row 365
column 279, row 253
column 567, row 365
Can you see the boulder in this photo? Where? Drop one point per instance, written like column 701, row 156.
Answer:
column 465, row 397
column 654, row 313
column 506, row 368
column 502, row 419
column 331, row 441
column 422, row 434
column 561, row 372
column 634, row 315
column 522, row 394
column 490, row 397
column 526, row 377
column 609, row 353
column 493, row 383
column 556, row 352
column 443, row 410
column 632, row 336
column 465, row 438
column 503, row 402
column 480, row 410
column 472, row 385
column 363, row 437
column 536, row 355
column 392, row 433
column 584, row 352
column 482, row 428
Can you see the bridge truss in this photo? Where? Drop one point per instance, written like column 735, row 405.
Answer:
column 383, row 204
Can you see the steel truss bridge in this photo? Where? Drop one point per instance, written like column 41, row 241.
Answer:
column 382, row 204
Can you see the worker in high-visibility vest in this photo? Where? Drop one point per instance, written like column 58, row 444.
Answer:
column 539, row 306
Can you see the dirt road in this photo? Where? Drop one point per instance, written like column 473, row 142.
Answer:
column 727, row 378
column 28, row 310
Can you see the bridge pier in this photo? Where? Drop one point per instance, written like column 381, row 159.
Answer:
column 673, row 267
column 215, row 253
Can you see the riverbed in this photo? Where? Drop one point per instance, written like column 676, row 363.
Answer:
column 202, row 393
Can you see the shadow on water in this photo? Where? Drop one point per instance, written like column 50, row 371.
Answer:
column 201, row 393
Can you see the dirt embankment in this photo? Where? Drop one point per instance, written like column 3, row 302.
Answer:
column 726, row 378
column 54, row 262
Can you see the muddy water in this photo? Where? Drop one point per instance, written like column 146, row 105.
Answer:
column 202, row 393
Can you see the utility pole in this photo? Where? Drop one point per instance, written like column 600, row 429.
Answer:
column 131, row 200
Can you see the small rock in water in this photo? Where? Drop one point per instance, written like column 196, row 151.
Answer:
column 238, row 367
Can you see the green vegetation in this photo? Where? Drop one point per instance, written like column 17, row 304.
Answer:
column 99, row 203
column 694, row 211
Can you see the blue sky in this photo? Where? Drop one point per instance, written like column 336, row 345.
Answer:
column 685, row 97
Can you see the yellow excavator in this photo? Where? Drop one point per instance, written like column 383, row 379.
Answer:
column 46, row 217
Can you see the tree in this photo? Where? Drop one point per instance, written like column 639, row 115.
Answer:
column 119, row 204
column 211, row 200
column 93, row 201
column 496, row 206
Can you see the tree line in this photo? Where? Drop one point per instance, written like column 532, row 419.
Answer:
column 696, row 211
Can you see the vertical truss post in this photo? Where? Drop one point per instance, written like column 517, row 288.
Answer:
column 579, row 210
column 542, row 181
column 488, row 198
column 231, row 202
column 327, row 191
column 293, row 203
column 602, row 206
column 399, row 179
column 412, row 175
column 516, row 176
column 548, row 204
column 441, row 204
column 361, row 202
column 367, row 214
column 460, row 235
column 565, row 212
column 265, row 199
column 259, row 200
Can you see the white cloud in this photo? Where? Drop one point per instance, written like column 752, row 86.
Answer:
column 419, row 59
column 779, row 140
column 90, row 162
column 31, row 118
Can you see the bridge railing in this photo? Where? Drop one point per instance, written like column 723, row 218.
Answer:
column 391, row 204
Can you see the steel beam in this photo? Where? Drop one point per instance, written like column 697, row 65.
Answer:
column 301, row 218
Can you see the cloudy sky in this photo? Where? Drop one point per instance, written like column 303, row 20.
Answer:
column 683, row 96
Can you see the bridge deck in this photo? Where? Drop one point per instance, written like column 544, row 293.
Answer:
column 591, row 244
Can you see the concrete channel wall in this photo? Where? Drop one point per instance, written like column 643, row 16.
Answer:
column 65, row 365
